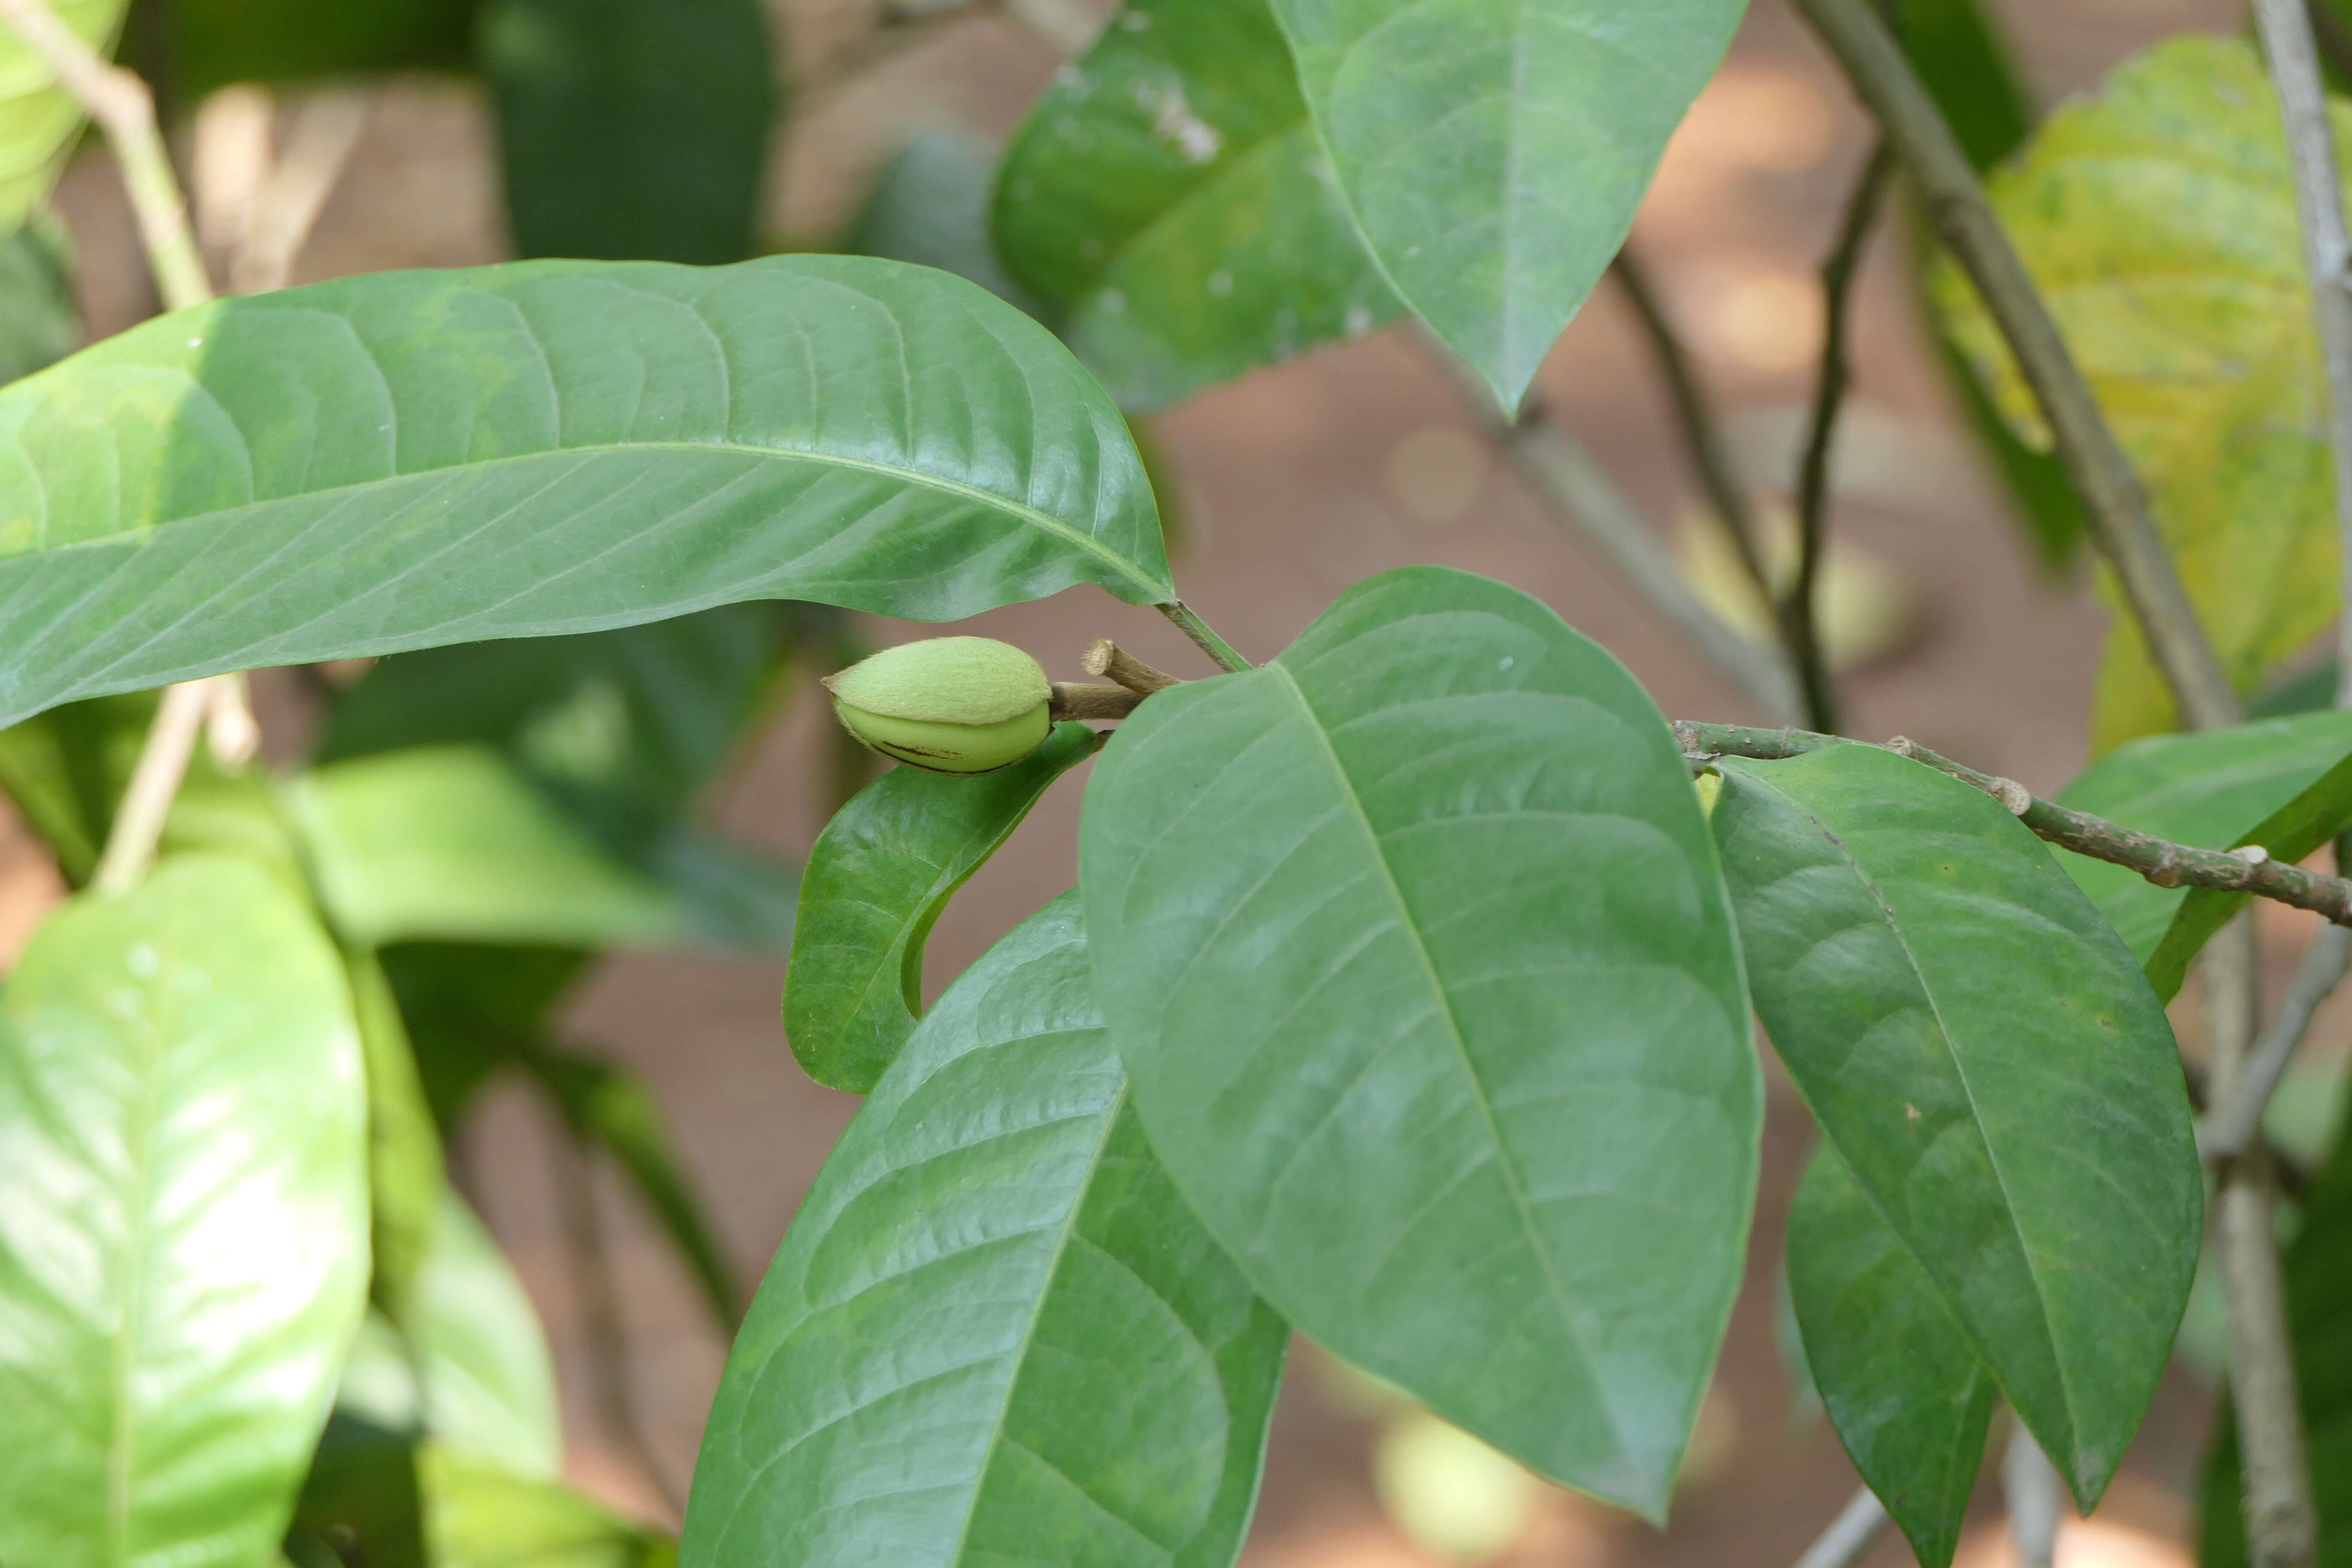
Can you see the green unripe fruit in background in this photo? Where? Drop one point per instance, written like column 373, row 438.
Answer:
column 953, row 705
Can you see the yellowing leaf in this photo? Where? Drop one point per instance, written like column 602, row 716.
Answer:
column 2158, row 220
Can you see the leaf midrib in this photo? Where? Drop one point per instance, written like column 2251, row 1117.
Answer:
column 1503, row 1159
column 1943, row 1033
column 1044, row 521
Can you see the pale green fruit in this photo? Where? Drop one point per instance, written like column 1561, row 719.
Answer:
column 953, row 705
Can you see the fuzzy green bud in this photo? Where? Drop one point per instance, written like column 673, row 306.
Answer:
column 951, row 705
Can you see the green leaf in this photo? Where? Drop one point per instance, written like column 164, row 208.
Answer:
column 1415, row 945
column 406, row 1177
column 2295, row 830
column 2319, row 1320
column 2264, row 783
column 877, row 880
column 39, row 324
column 475, row 1370
column 1947, row 1001
column 1908, row 1398
column 610, row 1108
column 401, row 1503
column 631, row 129
column 204, row 45
column 39, row 120
column 994, row 1332
column 183, row 1220
column 412, row 458
column 65, row 769
column 626, row 727
column 930, row 206
column 2158, row 219
column 1168, row 195
column 1493, row 151
column 451, row 843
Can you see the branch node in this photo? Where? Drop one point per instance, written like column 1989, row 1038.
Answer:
column 1106, row 658
column 2013, row 795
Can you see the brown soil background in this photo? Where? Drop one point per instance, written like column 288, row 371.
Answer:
column 1295, row 482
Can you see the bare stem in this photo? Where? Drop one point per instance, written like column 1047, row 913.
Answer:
column 1079, row 700
column 2282, row 1529
column 162, row 763
column 601, row 1319
column 1799, row 609
column 125, row 111
column 1702, row 431
column 2229, row 1128
column 1859, row 1526
column 1106, row 658
column 1204, row 636
column 2161, row 861
column 2036, row 1497
column 1964, row 220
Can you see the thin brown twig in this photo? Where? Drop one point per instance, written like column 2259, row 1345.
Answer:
column 1964, row 220
column 1701, row 432
column 124, row 110
column 1799, row 607
column 1082, row 700
column 2161, row 861
column 2281, row 1527
column 1106, row 658
column 1859, row 1526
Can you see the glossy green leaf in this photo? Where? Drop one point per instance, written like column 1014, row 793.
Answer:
column 2319, row 1321
column 39, row 323
column 1493, row 151
column 2209, row 789
column 201, row 46
column 626, row 728
column 877, row 880
column 401, row 1503
column 39, row 120
column 453, row 842
column 1414, row 946
column 631, row 129
column 183, row 1220
column 413, row 459
column 930, row 206
column 472, row 1368
column 2158, row 220
column 612, row 1110
column 1945, row 998
column 1166, row 193
column 994, row 1332
column 1908, row 1398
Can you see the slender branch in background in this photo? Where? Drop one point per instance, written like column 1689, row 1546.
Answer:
column 162, row 763
column 124, row 110
column 1964, row 220
column 1068, row 25
column 2281, row 1527
column 1204, row 636
column 1799, row 609
column 1701, row 432
column 1581, row 494
column 2228, row 1130
column 2161, row 861
column 325, row 132
column 2036, row 1496
column 1859, row 1526
column 602, row 1320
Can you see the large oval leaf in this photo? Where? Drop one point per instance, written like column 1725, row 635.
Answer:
column 994, row 1332
column 1415, row 945
column 1493, row 151
column 2158, row 219
column 411, row 459
column 878, row 878
column 39, row 118
column 1908, row 1398
column 1991, row 1066
column 1167, row 193
column 184, row 1220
